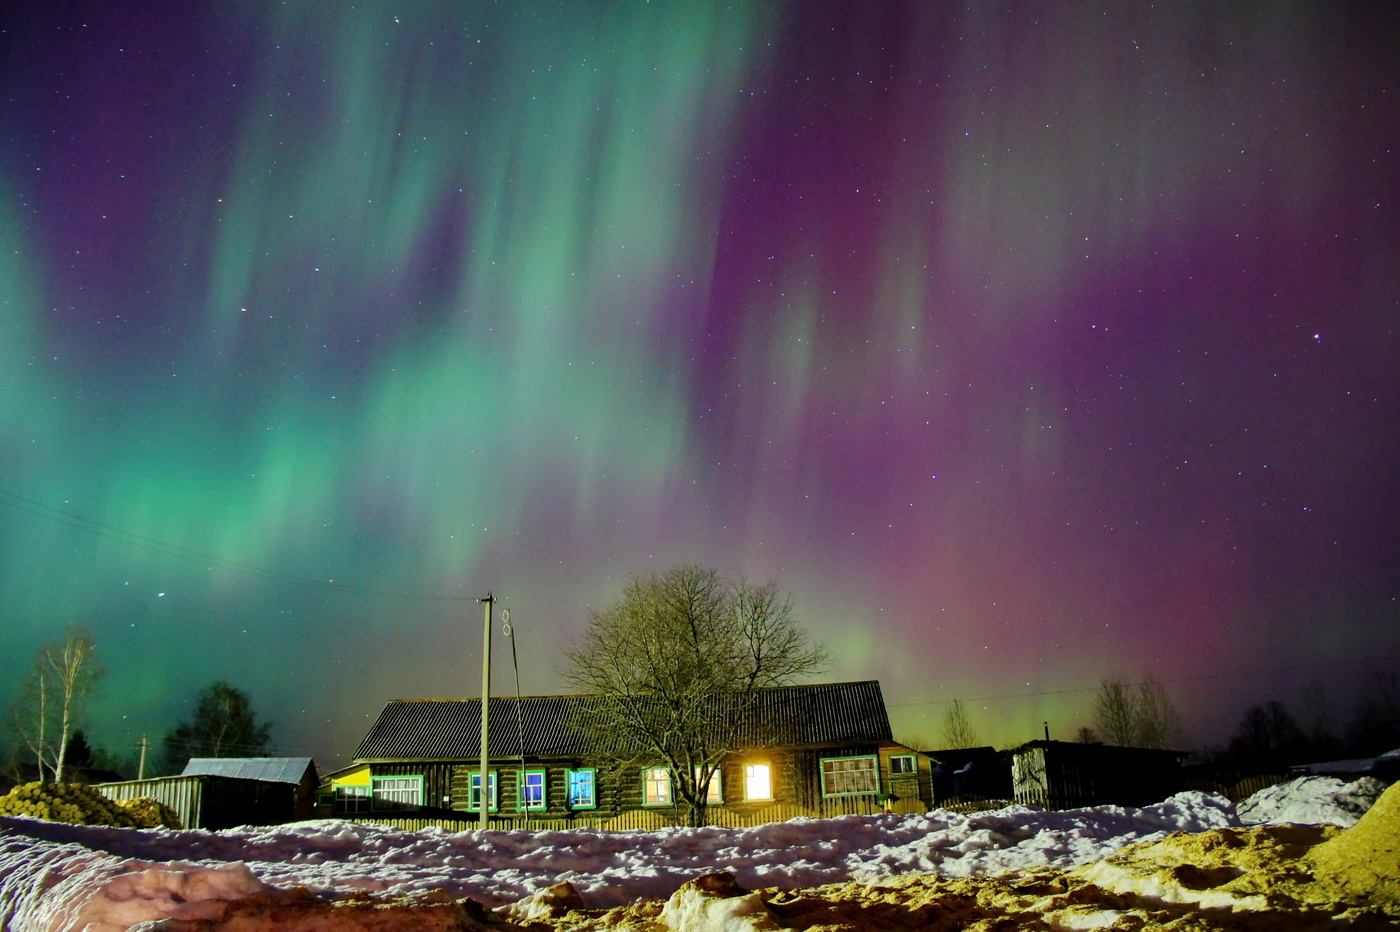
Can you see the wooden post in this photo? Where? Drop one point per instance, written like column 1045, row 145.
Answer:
column 141, row 770
column 484, row 797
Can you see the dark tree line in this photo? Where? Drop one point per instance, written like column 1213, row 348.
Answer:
column 1272, row 736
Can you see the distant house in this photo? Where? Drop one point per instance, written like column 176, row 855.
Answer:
column 815, row 750
column 1066, row 775
column 217, row 793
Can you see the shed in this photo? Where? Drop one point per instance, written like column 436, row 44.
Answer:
column 970, row 773
column 1066, row 775
column 210, row 801
column 298, row 772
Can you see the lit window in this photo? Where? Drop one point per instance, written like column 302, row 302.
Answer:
column 712, row 794
column 850, row 776
column 397, row 792
column 903, row 763
column 531, row 788
column 474, row 799
column 656, row 786
column 583, row 793
column 351, row 799
column 758, row 781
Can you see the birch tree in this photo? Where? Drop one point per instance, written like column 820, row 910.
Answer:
column 54, row 697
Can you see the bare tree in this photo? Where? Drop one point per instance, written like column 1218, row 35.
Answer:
column 1158, row 724
column 1115, row 710
column 957, row 727
column 677, row 663
column 1135, row 715
column 53, row 699
column 1315, row 718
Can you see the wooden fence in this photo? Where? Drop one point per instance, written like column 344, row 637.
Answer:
column 649, row 820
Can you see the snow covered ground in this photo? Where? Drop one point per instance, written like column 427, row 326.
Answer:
column 56, row 877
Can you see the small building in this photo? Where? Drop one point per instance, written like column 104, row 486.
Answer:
column 1066, row 775
column 297, row 772
column 818, row 750
column 215, row 793
column 961, row 775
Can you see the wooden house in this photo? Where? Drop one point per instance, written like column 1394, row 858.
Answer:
column 818, row 750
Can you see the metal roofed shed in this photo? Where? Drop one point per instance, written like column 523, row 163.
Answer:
column 271, row 769
column 213, row 802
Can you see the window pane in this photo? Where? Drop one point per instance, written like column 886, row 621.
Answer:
column 712, row 795
column 474, row 795
column 903, row 763
column 352, row 799
column 656, row 786
column 850, row 776
column 758, row 781
column 397, row 792
column 532, row 789
column 581, row 789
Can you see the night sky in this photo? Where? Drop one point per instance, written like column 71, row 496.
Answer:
column 1021, row 343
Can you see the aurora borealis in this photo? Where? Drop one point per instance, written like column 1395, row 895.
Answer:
column 1022, row 343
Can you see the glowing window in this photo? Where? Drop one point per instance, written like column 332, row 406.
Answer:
column 656, row 786
column 758, row 781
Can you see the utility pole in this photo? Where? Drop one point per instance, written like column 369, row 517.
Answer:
column 484, row 797
column 141, row 770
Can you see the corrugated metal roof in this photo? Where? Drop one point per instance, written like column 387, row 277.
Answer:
column 270, row 769
column 450, row 729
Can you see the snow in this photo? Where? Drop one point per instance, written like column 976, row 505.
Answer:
column 56, row 877
column 1311, row 800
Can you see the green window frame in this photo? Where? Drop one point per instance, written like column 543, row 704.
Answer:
column 714, row 793
column 858, row 775
column 396, row 791
column 581, row 788
column 901, row 764
column 656, row 786
column 530, row 790
column 474, row 792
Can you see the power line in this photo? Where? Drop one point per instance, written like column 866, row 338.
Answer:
column 151, row 544
column 1183, row 679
